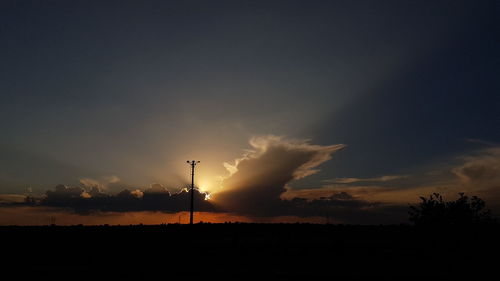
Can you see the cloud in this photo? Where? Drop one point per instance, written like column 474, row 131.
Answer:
column 475, row 173
column 7, row 199
column 130, row 194
column 88, row 182
column 137, row 193
column 480, row 173
column 156, row 188
column 65, row 192
column 257, row 180
column 155, row 198
column 357, row 180
column 482, row 142
column 101, row 184
column 112, row 179
column 343, row 207
column 482, row 168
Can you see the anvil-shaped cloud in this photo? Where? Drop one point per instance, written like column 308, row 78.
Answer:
column 257, row 179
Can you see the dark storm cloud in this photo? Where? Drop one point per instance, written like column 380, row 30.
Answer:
column 155, row 198
column 342, row 207
column 63, row 192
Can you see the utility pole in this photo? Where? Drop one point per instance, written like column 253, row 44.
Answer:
column 193, row 164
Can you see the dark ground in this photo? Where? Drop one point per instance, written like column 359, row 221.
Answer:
column 249, row 251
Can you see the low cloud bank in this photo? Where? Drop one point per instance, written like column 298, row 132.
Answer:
column 155, row 198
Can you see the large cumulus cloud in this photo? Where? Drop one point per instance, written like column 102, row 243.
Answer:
column 258, row 179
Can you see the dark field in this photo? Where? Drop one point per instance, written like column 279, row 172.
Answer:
column 251, row 251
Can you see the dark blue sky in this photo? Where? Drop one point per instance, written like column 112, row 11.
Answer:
column 133, row 88
column 429, row 110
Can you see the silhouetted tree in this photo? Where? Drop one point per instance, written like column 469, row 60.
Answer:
column 463, row 211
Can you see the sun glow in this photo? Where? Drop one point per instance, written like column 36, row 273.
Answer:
column 207, row 196
column 202, row 185
column 205, row 187
column 208, row 184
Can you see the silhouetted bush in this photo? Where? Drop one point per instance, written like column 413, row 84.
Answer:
column 463, row 211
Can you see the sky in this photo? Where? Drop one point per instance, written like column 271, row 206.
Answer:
column 336, row 111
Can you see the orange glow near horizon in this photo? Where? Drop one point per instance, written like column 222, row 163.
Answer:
column 43, row 216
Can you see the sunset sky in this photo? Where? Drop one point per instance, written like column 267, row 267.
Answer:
column 319, row 111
